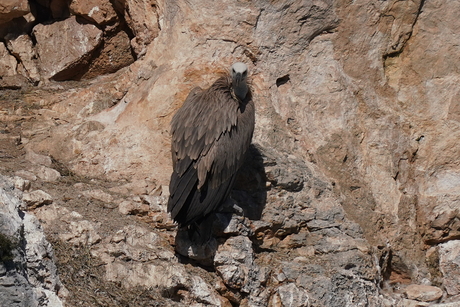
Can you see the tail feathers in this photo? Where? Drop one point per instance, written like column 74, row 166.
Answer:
column 181, row 188
column 201, row 231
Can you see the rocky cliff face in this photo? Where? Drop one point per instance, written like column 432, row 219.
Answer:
column 28, row 275
column 351, row 196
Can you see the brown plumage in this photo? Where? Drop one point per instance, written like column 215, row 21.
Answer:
column 211, row 133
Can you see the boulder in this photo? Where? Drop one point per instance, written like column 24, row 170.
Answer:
column 115, row 54
column 449, row 265
column 100, row 12
column 423, row 293
column 11, row 9
column 8, row 63
column 65, row 47
column 234, row 262
column 46, row 173
column 142, row 18
column 289, row 295
column 23, row 50
column 38, row 159
column 37, row 198
column 28, row 274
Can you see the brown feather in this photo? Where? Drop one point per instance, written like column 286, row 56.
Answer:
column 210, row 135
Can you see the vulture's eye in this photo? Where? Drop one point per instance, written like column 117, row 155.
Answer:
column 233, row 70
column 245, row 73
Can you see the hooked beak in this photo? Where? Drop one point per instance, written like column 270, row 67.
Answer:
column 238, row 77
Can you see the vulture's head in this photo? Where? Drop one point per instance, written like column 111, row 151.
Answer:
column 239, row 76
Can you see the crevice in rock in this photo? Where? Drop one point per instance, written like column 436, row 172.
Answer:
column 282, row 80
column 7, row 245
column 49, row 11
column 398, row 50
column 40, row 12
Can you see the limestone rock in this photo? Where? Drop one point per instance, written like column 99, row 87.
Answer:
column 237, row 225
column 449, row 266
column 142, row 18
column 204, row 293
column 46, row 173
column 100, row 12
column 64, row 47
column 35, row 158
column 234, row 261
column 99, row 194
column 132, row 243
column 115, row 54
column 423, row 293
column 413, row 303
column 11, row 9
column 131, row 207
column 22, row 48
column 37, row 198
column 8, row 63
column 290, row 295
column 286, row 173
column 80, row 232
column 451, row 304
column 13, row 82
column 156, row 203
column 134, row 257
column 28, row 274
column 358, row 101
column 21, row 183
column 26, row 175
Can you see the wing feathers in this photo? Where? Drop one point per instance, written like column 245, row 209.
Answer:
column 210, row 135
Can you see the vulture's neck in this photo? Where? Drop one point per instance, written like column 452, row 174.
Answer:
column 240, row 90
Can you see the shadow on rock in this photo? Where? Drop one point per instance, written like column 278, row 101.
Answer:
column 250, row 190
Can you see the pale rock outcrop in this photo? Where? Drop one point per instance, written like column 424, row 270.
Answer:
column 133, row 256
column 8, row 63
column 26, row 175
column 449, row 266
column 358, row 101
column 100, row 12
column 28, row 274
column 43, row 164
column 79, row 232
column 21, row 183
column 39, row 159
column 65, row 45
column 10, row 9
column 234, row 261
column 13, row 82
column 37, row 198
column 289, row 295
column 46, row 173
column 22, row 48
